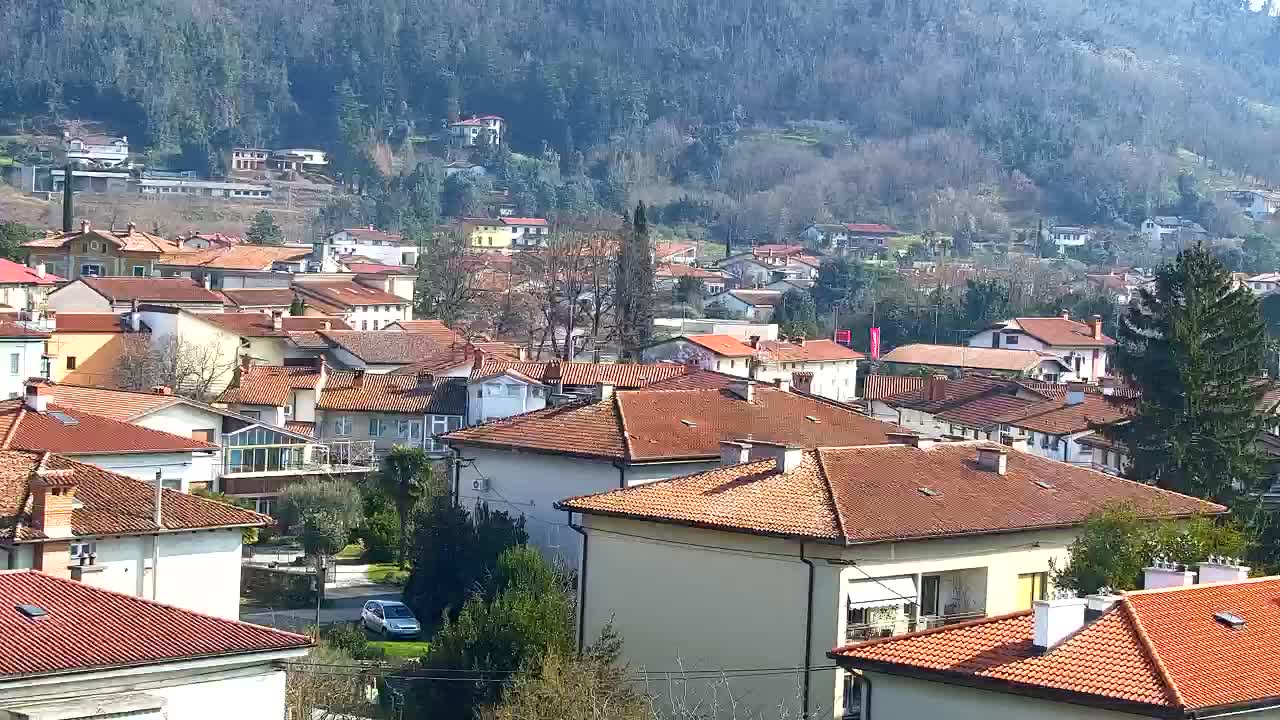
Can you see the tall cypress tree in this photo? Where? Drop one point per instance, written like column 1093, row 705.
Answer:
column 1193, row 347
column 633, row 288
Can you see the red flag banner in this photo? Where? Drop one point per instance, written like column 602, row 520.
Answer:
column 875, row 343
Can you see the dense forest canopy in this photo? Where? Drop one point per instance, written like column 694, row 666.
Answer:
column 1088, row 101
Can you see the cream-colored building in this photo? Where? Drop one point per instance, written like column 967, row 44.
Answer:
column 758, row 568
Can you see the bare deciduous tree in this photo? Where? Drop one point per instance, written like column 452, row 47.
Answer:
column 195, row 370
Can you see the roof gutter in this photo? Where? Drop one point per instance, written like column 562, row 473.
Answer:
column 582, row 584
column 1248, row 708
column 622, row 474
column 808, row 633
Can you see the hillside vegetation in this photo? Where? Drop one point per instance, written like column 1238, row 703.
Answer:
column 753, row 116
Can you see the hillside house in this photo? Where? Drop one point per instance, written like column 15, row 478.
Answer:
column 820, row 367
column 231, row 267
column 1068, row 236
column 99, row 150
column 479, row 131
column 1081, row 347
column 753, row 305
column 377, row 245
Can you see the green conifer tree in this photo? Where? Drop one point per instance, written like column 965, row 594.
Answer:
column 1193, row 347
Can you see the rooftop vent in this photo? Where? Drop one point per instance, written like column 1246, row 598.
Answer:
column 688, row 423
column 812, row 419
column 928, row 492
column 1044, row 485
column 1231, row 620
column 35, row 611
column 63, row 418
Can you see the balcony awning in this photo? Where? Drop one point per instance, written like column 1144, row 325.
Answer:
column 881, row 592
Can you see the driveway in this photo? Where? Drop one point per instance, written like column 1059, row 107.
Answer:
column 344, row 604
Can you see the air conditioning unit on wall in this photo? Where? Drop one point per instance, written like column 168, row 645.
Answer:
column 480, row 485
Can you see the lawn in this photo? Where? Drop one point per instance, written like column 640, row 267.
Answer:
column 388, row 573
column 409, row 649
column 350, row 552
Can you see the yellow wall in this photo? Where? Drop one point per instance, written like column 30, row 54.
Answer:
column 489, row 237
column 742, row 602
column 96, row 354
column 67, row 263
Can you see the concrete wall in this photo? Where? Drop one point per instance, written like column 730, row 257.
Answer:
column 502, row 397
column 199, row 571
column 96, row 354
column 29, row 355
column 179, row 470
column 77, row 297
column 835, row 380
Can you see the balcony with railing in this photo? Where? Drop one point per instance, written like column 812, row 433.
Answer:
column 883, row 607
column 250, row 469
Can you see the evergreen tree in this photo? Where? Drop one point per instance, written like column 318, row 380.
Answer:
column 1193, row 348
column 297, row 308
column 797, row 316
column 634, row 288
column 264, row 230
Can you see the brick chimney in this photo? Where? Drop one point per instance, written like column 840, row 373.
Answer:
column 745, row 389
column 84, row 226
column 938, row 387
column 478, row 359
column 246, row 362
column 1095, row 321
column 782, row 384
column 52, row 502
column 39, row 394
column 358, row 381
column 322, row 368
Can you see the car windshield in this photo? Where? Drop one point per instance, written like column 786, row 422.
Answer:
column 398, row 611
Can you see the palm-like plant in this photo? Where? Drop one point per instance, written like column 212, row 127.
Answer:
column 406, row 476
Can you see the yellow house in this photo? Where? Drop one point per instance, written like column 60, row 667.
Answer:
column 487, row 234
column 751, row 573
column 85, row 348
column 99, row 253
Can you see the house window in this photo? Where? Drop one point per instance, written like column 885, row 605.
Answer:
column 15, row 363
column 91, row 270
column 930, row 587
column 71, row 362
column 1010, row 339
column 1031, row 587
column 254, row 414
column 95, row 246
column 375, row 427
column 139, row 271
column 856, row 698
column 1054, row 443
column 342, row 425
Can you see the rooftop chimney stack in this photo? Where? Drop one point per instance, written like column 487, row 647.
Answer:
column 38, row 395
column 1075, row 393
column 322, row 369
column 754, row 341
column 246, row 362
column 734, row 452
column 1099, row 603
column 783, row 384
column 1222, row 569
column 207, row 280
column 1014, row 442
column 605, row 390
column 787, row 457
column 937, row 387
column 911, row 439
column 131, row 227
column 358, row 381
column 1056, row 620
column 40, row 270
column 135, row 319
column 745, row 389
column 1066, row 314
column 277, row 320
column 477, row 359
column 1095, row 322
column 53, row 495
column 1165, row 574
column 994, row 460
column 798, row 340
column 161, row 390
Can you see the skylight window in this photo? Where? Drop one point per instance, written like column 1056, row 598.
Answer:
column 63, row 418
column 31, row 611
column 1231, row 620
column 928, row 492
column 1044, row 485
column 689, row 423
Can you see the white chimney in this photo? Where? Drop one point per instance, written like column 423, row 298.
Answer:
column 40, row 269
column 911, row 439
column 1075, row 393
column 787, row 456
column 1056, row 620
column 1164, row 574
column 605, row 390
column 1222, row 569
column 745, row 389
column 783, row 385
column 994, row 460
column 1099, row 603
column 84, row 226
column 277, row 320
column 734, row 452
column 1014, row 442
column 38, row 396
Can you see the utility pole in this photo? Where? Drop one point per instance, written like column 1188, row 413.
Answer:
column 321, row 567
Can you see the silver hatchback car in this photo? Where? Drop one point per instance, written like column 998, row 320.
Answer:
column 390, row 618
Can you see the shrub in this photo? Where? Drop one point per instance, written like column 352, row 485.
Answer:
column 380, row 533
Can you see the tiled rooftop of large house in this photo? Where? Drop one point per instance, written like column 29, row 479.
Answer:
column 879, row 387
column 107, row 503
column 260, row 297
column 961, row 356
column 924, row 491
column 152, row 290
column 64, row 429
column 236, row 257
column 78, row 322
column 354, row 390
column 83, row 628
column 131, row 239
column 1058, row 331
column 12, row 273
column 1164, row 653
column 620, row 375
column 256, row 324
column 1061, row 415
column 380, row 347
column 347, row 294
column 796, row 350
column 655, row 425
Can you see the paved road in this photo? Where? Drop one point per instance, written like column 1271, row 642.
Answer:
column 343, row 605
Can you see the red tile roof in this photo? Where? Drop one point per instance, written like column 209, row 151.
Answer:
column 1061, row 332
column 724, row 345
column 657, row 425
column 88, row 628
column 236, row 257
column 962, row 356
column 357, row 391
column 1159, row 648
column 130, row 240
column 152, row 290
column 11, row 329
column 348, row 295
column 810, row 351
column 109, row 504
column 260, row 297
column 435, row 328
column 372, row 268
column 826, row 497
column 758, row 298
column 123, row 405
column 269, row 385
column 982, row 410
column 620, row 375
column 1055, row 417
column 524, row 221
column 368, row 234
column 678, row 270
column 388, row 347
column 304, row 428
column 25, row 429
column 12, row 273
column 66, row 322
column 698, row 379
column 879, row 387
column 258, row 324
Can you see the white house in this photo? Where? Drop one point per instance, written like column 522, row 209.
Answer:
column 247, row 159
column 525, row 463
column 527, row 232
column 1081, row 347
column 1065, row 236
column 22, row 356
column 482, row 130
column 100, row 150
column 71, row 519
column 501, row 393
column 820, row 367
column 765, row 563
column 359, row 303
column 75, row 651
column 1167, row 230
column 1186, row 646
column 755, row 305
column 377, row 245
column 1257, row 204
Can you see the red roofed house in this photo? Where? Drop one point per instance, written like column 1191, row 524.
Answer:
column 1081, row 346
column 820, row 367
column 377, row 245
column 92, row 253
column 91, row 294
column 361, row 306
column 768, row 561
column 524, row 463
column 481, row 130
column 25, row 287
column 527, row 232
column 73, row 650
column 861, row 239
column 71, row 519
column 1175, row 650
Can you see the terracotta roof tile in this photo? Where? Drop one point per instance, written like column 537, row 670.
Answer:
column 236, row 257
column 1055, row 417
column 620, row 375
column 257, row 324
column 435, row 328
column 1060, row 331
column 350, row 294
column 758, row 298
column 879, row 387
column 89, row 628
column 966, row 357
column 383, row 347
column 66, row 322
column 393, row 393
column 152, row 290
column 122, row 405
column 724, row 345
column 698, row 379
column 1160, row 648
column 260, row 297
column 956, row 393
column 810, row 351
column 29, row 430
column 654, row 425
column 11, row 329
column 373, row 235
column 967, row 500
column 131, row 240
column 109, row 504
column 269, row 385
column 12, row 273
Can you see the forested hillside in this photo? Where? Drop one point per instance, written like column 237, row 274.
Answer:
column 916, row 111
